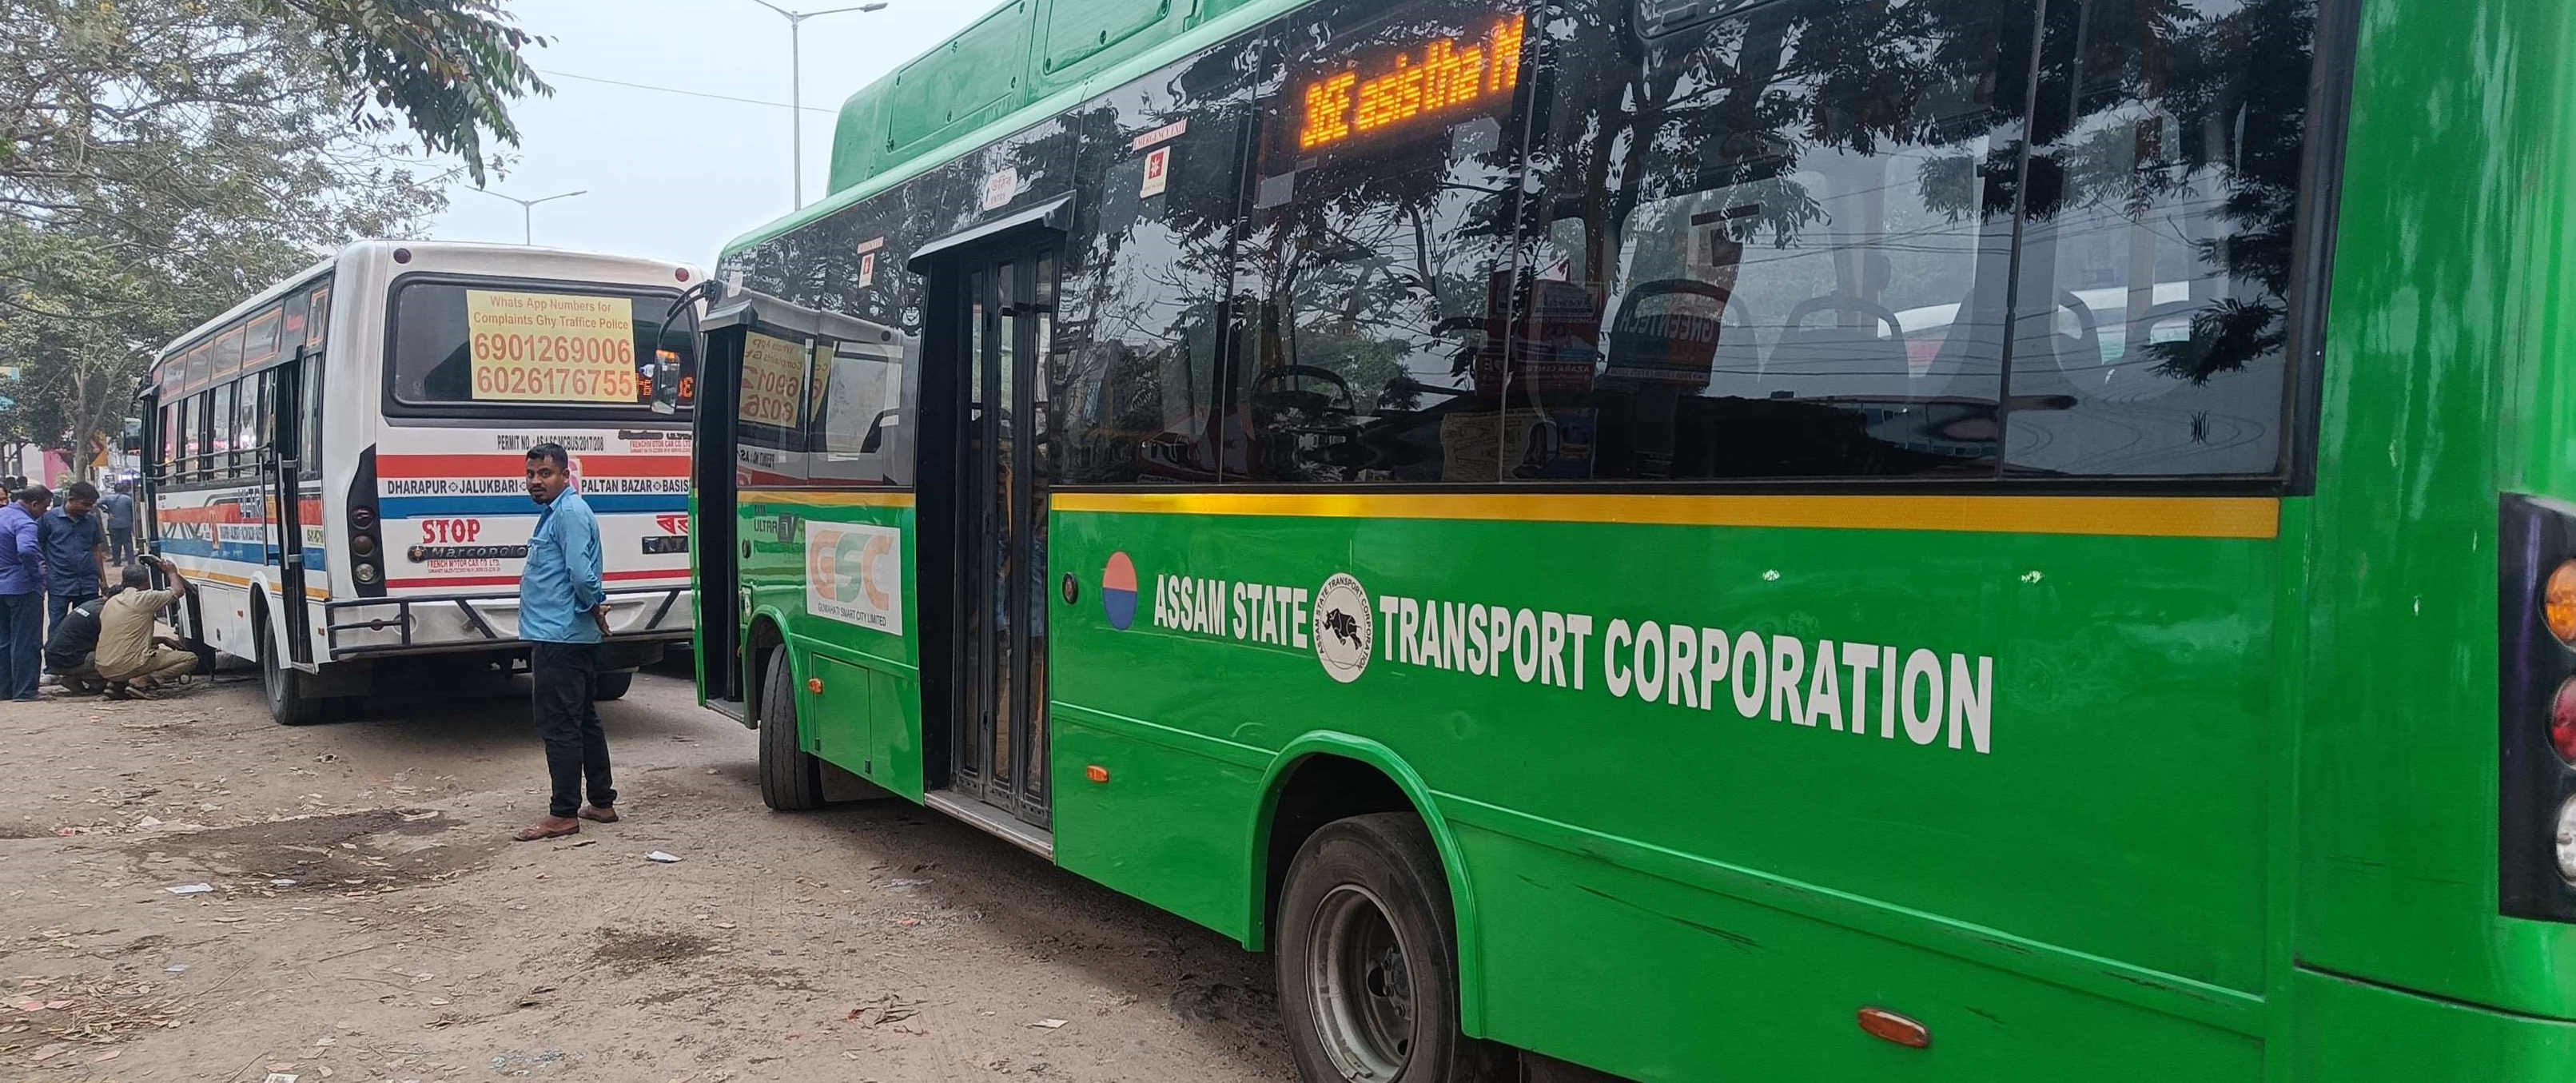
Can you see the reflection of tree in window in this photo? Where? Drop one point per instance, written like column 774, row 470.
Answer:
column 1834, row 186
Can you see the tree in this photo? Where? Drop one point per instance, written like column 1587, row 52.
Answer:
column 161, row 159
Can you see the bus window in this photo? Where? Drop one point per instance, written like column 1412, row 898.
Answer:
column 2157, row 281
column 309, row 434
column 264, row 416
column 260, row 345
column 291, row 328
column 1135, row 396
column 318, row 319
column 559, row 347
column 857, row 433
column 169, row 440
column 192, row 437
column 1794, row 277
column 1374, row 248
column 219, row 429
column 769, row 442
column 228, row 353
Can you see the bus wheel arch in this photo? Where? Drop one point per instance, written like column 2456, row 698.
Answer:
column 1322, row 778
column 765, row 635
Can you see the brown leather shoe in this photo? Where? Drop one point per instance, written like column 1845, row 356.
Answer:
column 598, row 815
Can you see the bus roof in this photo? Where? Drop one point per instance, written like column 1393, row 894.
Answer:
column 1022, row 63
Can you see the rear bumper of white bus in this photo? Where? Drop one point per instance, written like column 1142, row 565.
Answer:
column 642, row 621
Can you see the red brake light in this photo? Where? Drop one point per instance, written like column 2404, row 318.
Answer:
column 2562, row 721
column 682, row 274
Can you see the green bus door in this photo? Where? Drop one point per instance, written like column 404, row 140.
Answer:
column 1004, row 475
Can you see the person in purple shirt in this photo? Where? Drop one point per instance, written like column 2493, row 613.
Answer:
column 22, row 594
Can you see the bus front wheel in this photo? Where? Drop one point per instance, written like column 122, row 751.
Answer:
column 791, row 779
column 1368, row 960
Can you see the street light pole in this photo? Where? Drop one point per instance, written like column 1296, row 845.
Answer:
column 796, row 81
column 528, row 211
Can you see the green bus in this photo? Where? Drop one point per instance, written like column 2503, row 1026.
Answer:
column 1708, row 539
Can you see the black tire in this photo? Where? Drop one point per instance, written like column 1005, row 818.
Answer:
column 290, row 695
column 608, row 686
column 791, row 779
column 1366, row 910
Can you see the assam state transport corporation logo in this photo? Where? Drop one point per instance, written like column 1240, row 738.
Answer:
column 1344, row 629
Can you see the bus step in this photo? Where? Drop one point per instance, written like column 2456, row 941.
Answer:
column 1011, row 829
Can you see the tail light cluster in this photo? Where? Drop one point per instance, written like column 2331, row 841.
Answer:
column 2536, row 669
column 366, row 534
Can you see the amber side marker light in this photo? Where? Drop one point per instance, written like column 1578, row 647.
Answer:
column 1096, row 773
column 2558, row 603
column 1887, row 1025
column 814, row 685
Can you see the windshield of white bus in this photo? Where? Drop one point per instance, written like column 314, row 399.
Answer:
column 510, row 345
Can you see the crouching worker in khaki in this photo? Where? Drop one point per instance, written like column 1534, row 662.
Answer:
column 130, row 657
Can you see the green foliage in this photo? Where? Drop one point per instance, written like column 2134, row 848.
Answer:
column 160, row 160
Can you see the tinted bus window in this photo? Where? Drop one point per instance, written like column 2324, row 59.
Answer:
column 1134, row 388
column 497, row 345
column 2156, row 263
column 1384, row 189
column 1773, row 245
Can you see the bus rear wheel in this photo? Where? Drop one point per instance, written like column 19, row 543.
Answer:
column 610, row 686
column 290, row 696
column 1368, row 960
column 791, row 779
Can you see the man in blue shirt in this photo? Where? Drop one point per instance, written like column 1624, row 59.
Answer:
column 22, row 601
column 118, row 507
column 563, row 614
column 74, row 540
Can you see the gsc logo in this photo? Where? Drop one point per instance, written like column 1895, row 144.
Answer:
column 854, row 568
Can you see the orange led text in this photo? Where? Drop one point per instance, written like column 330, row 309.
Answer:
column 1444, row 75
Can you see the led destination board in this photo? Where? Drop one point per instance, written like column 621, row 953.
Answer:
column 1422, row 83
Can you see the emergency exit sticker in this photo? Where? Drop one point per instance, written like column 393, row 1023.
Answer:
column 867, row 270
column 1158, row 171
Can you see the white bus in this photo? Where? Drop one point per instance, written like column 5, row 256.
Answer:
column 394, row 389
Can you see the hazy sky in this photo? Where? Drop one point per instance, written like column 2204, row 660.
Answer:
column 669, row 175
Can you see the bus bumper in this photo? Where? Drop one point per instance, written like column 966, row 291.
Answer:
column 2351, row 1031
column 641, row 623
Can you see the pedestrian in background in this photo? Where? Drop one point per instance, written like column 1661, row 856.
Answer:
column 563, row 614
column 22, row 600
column 74, row 540
column 118, row 507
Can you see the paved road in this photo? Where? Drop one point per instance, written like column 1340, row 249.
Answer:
column 369, row 920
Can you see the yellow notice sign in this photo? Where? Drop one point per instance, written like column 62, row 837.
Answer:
column 552, row 347
column 773, row 378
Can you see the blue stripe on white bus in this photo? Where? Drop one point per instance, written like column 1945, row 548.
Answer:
column 245, row 552
column 423, row 507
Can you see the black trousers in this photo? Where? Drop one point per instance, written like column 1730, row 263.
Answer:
column 568, row 720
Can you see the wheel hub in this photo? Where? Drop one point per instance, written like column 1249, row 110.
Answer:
column 1361, row 987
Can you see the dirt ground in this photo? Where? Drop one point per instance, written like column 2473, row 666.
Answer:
column 368, row 919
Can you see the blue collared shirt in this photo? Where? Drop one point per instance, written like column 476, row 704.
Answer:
column 22, row 565
column 71, row 550
column 563, row 581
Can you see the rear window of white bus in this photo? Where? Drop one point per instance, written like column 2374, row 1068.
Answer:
column 505, row 344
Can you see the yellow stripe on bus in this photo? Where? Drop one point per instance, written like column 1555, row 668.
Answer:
column 2131, row 516
column 315, row 593
column 814, row 499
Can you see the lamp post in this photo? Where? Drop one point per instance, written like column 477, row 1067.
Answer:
column 796, row 79
column 528, row 211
